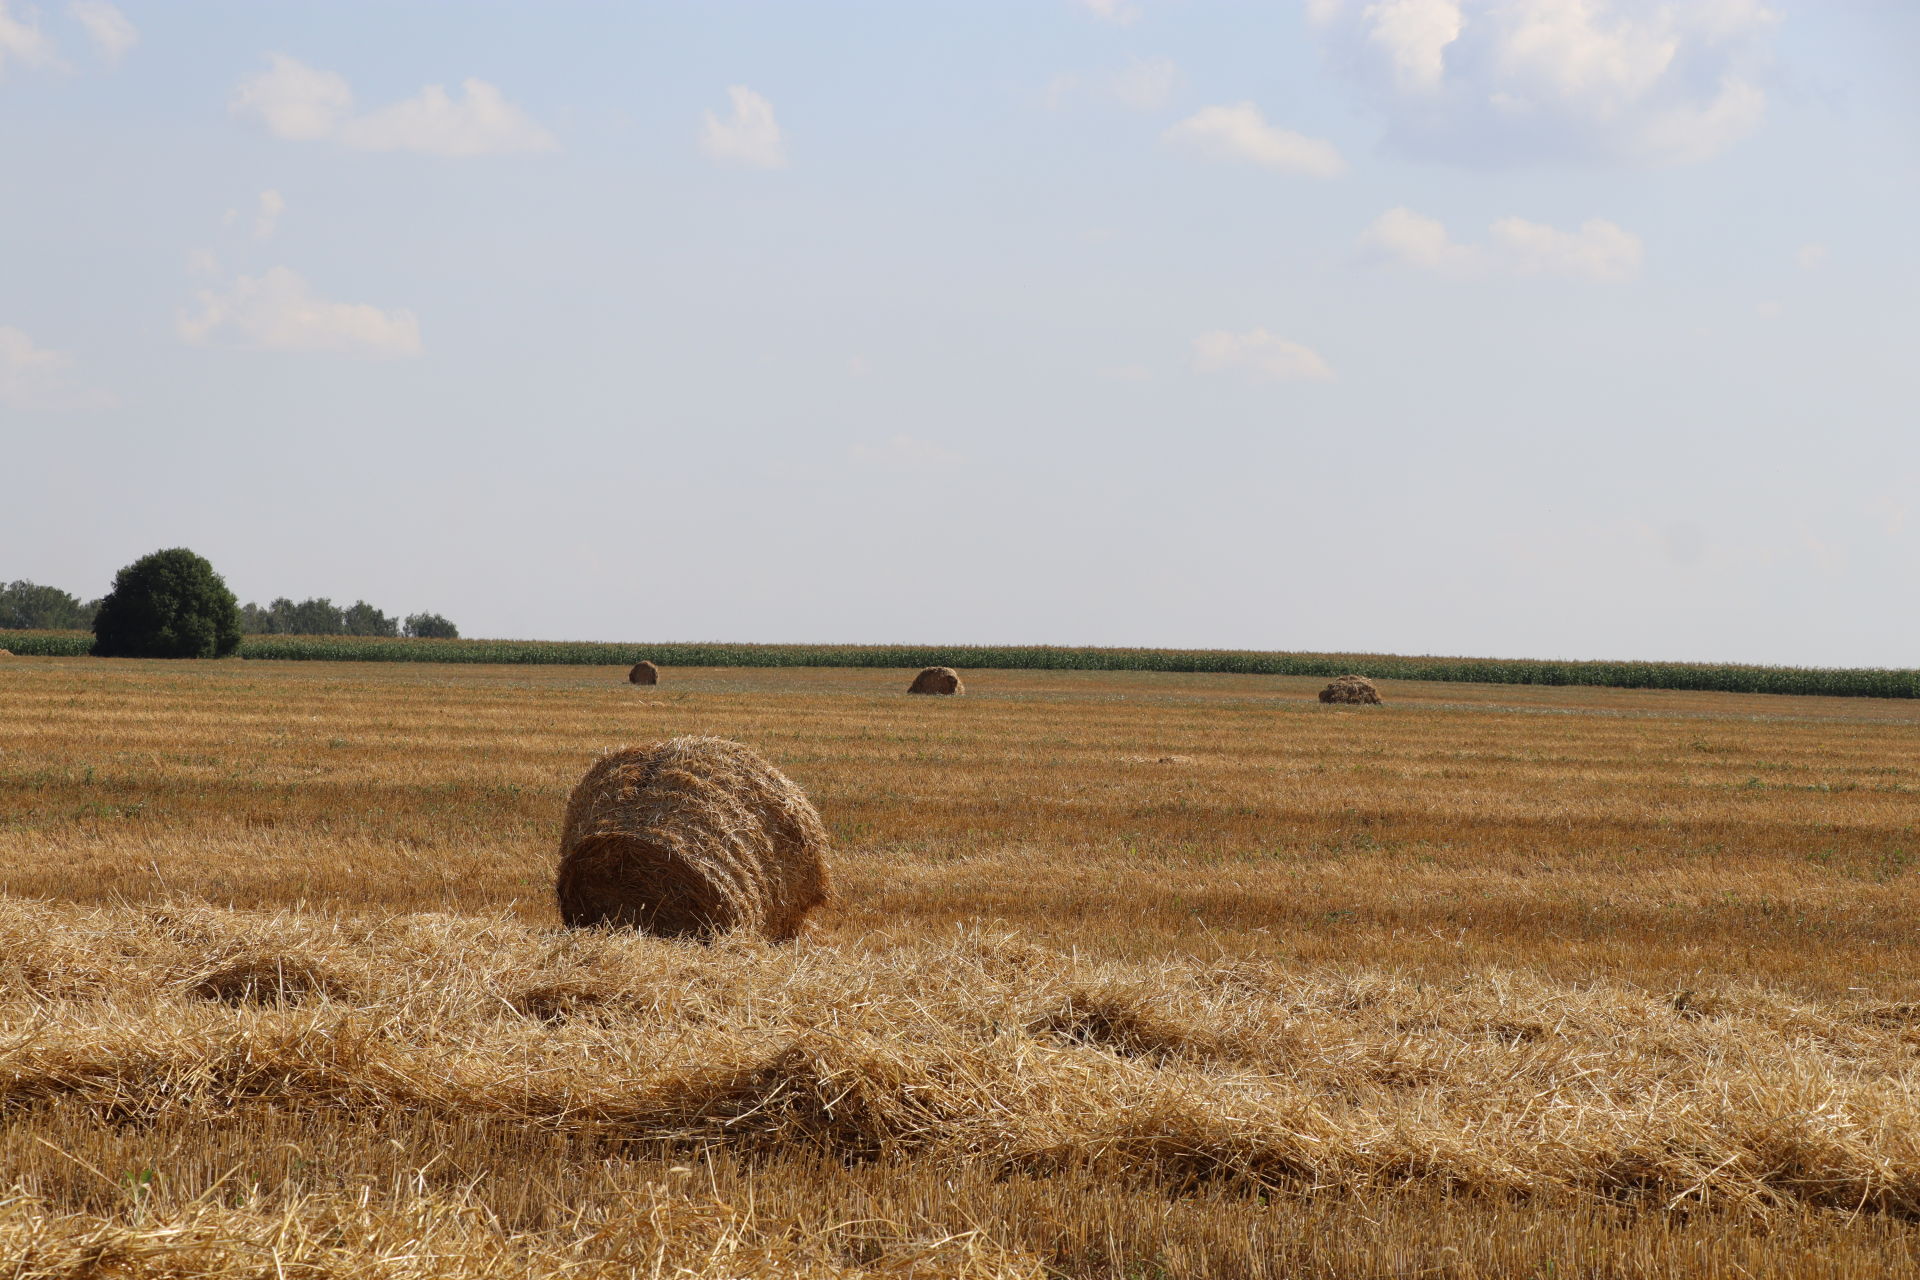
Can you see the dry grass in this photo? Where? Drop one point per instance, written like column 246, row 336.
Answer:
column 1132, row 975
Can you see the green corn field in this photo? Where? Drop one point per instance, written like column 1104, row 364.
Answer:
column 1856, row 682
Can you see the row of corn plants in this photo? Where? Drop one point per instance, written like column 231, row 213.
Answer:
column 1856, row 682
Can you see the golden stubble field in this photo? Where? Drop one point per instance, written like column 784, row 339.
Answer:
column 1130, row 975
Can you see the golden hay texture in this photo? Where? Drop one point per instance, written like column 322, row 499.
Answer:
column 691, row 837
column 1518, row 981
column 643, row 672
column 1356, row 690
column 937, row 680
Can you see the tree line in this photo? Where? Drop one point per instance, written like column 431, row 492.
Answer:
column 32, row 606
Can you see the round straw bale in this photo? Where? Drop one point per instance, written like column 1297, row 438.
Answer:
column 937, row 680
column 690, row 837
column 1351, row 689
column 643, row 672
column 6, row 653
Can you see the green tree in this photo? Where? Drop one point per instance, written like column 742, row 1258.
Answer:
column 318, row 617
column 28, row 606
column 362, row 619
column 170, row 604
column 431, row 626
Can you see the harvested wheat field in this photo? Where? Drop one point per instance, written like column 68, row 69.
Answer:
column 1127, row 975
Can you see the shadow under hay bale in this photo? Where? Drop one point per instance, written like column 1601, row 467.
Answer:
column 1103, row 1022
column 690, row 837
column 266, row 982
column 558, row 1002
column 1351, row 691
column 937, row 680
column 643, row 672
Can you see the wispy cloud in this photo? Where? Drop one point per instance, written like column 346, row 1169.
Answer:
column 22, row 42
column 1261, row 355
column 750, row 136
column 272, row 205
column 303, row 103
column 109, row 29
column 1598, row 250
column 33, row 378
column 1240, row 133
column 278, row 311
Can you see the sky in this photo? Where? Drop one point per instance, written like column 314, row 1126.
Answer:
column 1550, row 328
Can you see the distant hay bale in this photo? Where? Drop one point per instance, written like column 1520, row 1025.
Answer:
column 6, row 653
column 690, row 837
column 643, row 672
column 937, row 680
column 1353, row 690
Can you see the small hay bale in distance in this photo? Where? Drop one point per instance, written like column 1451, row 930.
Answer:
column 643, row 672
column 937, row 680
column 690, row 838
column 1352, row 691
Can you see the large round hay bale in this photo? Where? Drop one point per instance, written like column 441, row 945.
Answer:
column 643, row 672
column 937, row 680
column 690, row 837
column 6, row 653
column 1353, row 690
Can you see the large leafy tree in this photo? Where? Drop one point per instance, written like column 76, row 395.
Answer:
column 28, row 606
column 170, row 604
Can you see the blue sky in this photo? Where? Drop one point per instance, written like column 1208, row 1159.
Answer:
column 1575, row 328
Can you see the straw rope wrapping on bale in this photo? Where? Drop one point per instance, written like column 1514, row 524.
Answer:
column 1351, row 689
column 691, row 837
column 643, row 672
column 937, row 680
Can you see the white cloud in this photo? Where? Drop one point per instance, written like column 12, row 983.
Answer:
column 1811, row 256
column 22, row 41
column 33, row 378
column 1111, row 10
column 1504, row 81
column 1240, row 132
column 1415, row 240
column 278, row 312
column 480, row 123
column 751, row 137
column 1260, row 354
column 305, row 104
column 1599, row 250
column 272, row 205
column 1414, row 35
column 905, row 453
column 295, row 100
column 112, row 34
